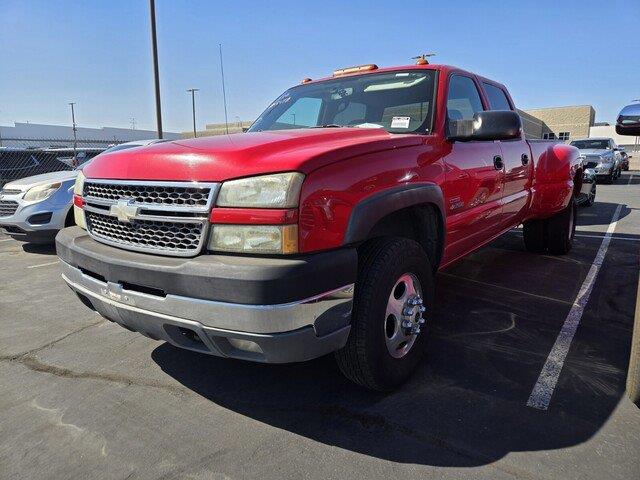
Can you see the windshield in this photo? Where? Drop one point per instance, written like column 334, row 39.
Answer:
column 399, row 102
column 595, row 144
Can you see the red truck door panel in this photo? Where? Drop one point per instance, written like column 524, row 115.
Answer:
column 473, row 185
column 517, row 163
column 517, row 174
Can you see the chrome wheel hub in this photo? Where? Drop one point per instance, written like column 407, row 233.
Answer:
column 404, row 315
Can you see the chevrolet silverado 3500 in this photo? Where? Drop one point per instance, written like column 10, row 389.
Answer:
column 321, row 229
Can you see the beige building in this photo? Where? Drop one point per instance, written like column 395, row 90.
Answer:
column 560, row 123
column 219, row 129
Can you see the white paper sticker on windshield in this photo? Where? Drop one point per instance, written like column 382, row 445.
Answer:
column 400, row 122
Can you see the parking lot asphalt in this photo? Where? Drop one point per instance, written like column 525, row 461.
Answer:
column 83, row 398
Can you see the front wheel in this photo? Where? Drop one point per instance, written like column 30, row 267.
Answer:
column 393, row 298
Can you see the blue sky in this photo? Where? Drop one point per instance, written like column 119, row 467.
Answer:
column 97, row 53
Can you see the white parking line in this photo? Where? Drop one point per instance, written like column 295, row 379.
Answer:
column 546, row 384
column 6, row 240
column 613, row 237
column 43, row 264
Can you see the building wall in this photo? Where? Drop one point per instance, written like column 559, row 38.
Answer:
column 532, row 126
column 62, row 132
column 610, row 132
column 576, row 120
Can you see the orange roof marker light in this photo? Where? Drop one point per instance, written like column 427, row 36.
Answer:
column 359, row 68
column 422, row 59
column 306, row 80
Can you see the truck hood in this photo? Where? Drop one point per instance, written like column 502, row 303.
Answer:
column 595, row 151
column 224, row 157
column 24, row 184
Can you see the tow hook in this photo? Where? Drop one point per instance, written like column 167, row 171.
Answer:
column 412, row 315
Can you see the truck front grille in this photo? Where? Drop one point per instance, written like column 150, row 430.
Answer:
column 149, row 235
column 163, row 218
column 7, row 208
column 171, row 195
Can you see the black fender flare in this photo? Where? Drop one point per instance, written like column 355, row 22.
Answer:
column 377, row 206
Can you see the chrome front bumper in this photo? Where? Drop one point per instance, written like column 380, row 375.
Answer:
column 279, row 333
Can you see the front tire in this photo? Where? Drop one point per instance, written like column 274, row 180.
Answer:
column 388, row 337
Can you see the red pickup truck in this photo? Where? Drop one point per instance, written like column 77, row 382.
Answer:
column 319, row 230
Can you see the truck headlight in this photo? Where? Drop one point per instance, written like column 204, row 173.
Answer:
column 275, row 239
column 280, row 190
column 78, row 213
column 41, row 192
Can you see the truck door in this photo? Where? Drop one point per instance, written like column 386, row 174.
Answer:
column 473, row 178
column 517, row 164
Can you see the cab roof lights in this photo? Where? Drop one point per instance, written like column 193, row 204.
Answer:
column 359, row 68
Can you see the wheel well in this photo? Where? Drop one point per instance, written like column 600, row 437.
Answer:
column 577, row 183
column 69, row 220
column 421, row 223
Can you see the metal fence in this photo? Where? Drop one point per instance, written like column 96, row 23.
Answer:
column 25, row 157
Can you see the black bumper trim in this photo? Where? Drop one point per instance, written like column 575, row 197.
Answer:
column 224, row 278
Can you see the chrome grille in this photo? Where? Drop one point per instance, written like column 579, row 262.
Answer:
column 147, row 194
column 164, row 218
column 151, row 235
column 7, row 208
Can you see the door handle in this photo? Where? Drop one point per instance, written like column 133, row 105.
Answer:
column 498, row 164
column 524, row 158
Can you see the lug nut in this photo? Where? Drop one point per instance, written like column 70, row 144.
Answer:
column 407, row 324
column 407, row 311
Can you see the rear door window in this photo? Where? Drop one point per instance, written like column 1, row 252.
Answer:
column 497, row 98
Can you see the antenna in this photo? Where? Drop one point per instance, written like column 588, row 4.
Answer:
column 224, row 93
column 422, row 59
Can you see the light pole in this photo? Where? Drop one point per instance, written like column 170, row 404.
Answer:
column 154, row 53
column 193, row 108
column 75, row 138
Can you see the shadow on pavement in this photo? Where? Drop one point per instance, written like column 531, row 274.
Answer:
column 499, row 313
column 38, row 248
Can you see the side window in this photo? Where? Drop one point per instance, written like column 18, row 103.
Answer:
column 463, row 101
column 497, row 98
column 303, row 113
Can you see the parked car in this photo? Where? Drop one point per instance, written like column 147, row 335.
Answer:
column 602, row 155
column 587, row 195
column 34, row 209
column 320, row 229
column 628, row 122
column 18, row 163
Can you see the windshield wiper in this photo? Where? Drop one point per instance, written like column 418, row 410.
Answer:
column 329, row 125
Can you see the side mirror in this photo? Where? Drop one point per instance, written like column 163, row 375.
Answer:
column 487, row 125
column 628, row 122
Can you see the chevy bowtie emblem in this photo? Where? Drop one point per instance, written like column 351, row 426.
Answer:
column 124, row 210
